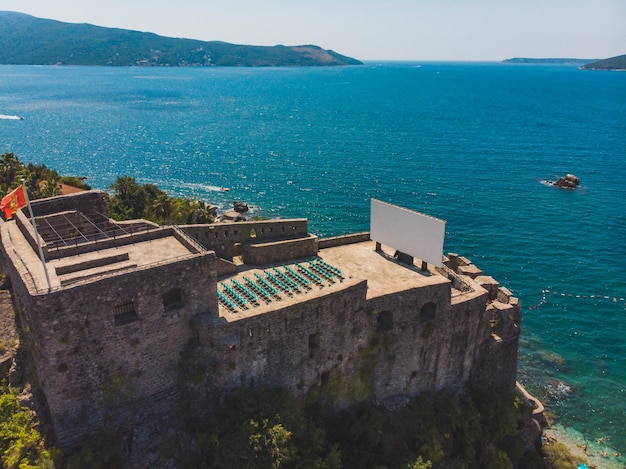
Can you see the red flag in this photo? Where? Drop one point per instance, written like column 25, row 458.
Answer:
column 13, row 202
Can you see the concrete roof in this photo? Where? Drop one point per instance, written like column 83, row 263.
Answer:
column 140, row 254
column 358, row 262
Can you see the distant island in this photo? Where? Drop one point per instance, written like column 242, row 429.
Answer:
column 556, row 61
column 613, row 63
column 27, row 40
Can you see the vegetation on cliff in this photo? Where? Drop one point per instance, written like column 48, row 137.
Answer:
column 35, row 41
column 40, row 180
column 269, row 428
column 21, row 445
column 131, row 200
column 613, row 63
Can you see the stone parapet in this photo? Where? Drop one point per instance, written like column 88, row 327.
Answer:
column 279, row 251
column 343, row 240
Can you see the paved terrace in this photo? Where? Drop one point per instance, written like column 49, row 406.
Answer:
column 69, row 270
column 356, row 262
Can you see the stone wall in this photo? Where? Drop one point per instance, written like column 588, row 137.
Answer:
column 106, row 350
column 343, row 240
column 223, row 238
column 87, row 202
column 297, row 347
column 270, row 252
column 351, row 349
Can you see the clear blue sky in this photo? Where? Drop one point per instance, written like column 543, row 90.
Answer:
column 370, row 29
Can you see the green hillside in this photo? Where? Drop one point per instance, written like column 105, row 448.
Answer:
column 27, row 40
column 613, row 63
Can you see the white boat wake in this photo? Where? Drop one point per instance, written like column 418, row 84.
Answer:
column 12, row 118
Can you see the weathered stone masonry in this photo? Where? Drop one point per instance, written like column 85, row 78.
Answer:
column 132, row 322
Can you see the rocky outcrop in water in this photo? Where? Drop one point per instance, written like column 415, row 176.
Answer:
column 240, row 207
column 567, row 182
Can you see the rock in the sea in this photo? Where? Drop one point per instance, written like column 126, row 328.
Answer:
column 567, row 182
column 240, row 207
column 231, row 215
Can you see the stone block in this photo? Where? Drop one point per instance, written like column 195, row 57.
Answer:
column 489, row 284
column 470, row 270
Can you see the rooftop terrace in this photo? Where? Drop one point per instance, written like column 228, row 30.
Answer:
column 259, row 289
column 68, row 270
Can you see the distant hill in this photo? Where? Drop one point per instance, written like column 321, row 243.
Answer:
column 556, row 61
column 614, row 63
column 27, row 40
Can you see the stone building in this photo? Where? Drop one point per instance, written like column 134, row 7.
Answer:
column 124, row 318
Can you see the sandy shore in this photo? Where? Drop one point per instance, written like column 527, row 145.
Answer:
column 598, row 454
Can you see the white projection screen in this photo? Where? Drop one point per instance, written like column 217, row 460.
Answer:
column 407, row 231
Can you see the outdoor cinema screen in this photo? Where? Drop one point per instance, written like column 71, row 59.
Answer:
column 407, row 231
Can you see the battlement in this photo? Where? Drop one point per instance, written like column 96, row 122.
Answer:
column 136, row 316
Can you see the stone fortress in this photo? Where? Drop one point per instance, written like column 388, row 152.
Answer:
column 125, row 319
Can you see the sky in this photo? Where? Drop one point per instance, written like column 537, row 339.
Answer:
column 476, row 30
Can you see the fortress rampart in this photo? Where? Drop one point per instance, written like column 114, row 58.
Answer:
column 128, row 328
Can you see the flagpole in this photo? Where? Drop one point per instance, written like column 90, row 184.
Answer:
column 32, row 220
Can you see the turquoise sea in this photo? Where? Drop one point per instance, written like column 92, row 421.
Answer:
column 467, row 142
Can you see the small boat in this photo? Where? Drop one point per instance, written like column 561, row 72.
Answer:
column 223, row 189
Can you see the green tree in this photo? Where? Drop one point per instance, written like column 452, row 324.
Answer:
column 21, row 445
column 271, row 443
column 10, row 166
column 419, row 463
column 131, row 196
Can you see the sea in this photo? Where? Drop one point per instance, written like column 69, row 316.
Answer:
column 471, row 143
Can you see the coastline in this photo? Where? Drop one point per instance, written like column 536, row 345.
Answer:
column 575, row 443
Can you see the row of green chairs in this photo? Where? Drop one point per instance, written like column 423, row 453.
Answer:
column 318, row 260
column 267, row 286
column 316, row 278
column 266, row 296
column 246, row 292
column 299, row 278
column 278, row 283
column 236, row 297
column 232, row 307
column 323, row 272
column 288, row 280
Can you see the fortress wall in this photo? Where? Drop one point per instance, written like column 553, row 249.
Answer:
column 342, row 240
column 351, row 350
column 107, row 347
column 86, row 202
column 221, row 237
column 291, row 347
column 26, row 227
column 279, row 251
column 432, row 344
column 498, row 368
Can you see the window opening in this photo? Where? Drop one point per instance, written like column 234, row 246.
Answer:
column 125, row 313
